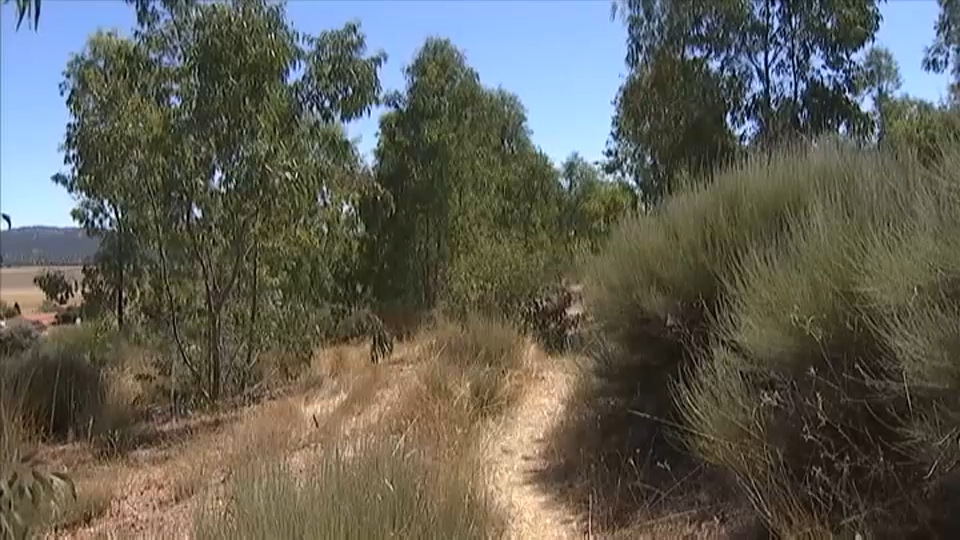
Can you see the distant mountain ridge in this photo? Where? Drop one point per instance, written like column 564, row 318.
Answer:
column 42, row 245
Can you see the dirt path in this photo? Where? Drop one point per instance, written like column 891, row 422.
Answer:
column 517, row 455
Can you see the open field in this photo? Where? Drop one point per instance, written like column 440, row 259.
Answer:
column 16, row 285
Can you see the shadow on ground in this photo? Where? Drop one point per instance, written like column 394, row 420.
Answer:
column 615, row 457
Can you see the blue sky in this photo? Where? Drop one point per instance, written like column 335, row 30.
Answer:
column 564, row 58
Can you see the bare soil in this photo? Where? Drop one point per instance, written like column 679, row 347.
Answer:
column 519, row 454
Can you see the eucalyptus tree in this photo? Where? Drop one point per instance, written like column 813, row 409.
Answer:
column 26, row 10
column 467, row 198
column 881, row 80
column 943, row 55
column 773, row 70
column 213, row 135
column 591, row 204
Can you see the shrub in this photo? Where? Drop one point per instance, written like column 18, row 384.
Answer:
column 921, row 130
column 552, row 317
column 49, row 306
column 27, row 492
column 362, row 323
column 96, row 342
column 379, row 490
column 808, row 354
column 652, row 293
column 498, row 275
column 68, row 315
column 7, row 311
column 808, row 307
column 17, row 337
column 57, row 391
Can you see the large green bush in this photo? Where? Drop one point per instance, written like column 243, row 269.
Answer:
column 802, row 313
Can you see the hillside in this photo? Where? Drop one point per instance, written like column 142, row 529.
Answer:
column 740, row 323
column 27, row 246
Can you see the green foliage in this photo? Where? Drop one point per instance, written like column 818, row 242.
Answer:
column 787, row 322
column 203, row 238
column 920, row 129
column 29, row 10
column 790, row 315
column 700, row 72
column 55, row 286
column 25, row 493
column 591, row 205
column 95, row 341
column 671, row 117
column 941, row 56
column 469, row 206
column 880, row 80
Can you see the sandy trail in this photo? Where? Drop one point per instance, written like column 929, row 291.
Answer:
column 518, row 455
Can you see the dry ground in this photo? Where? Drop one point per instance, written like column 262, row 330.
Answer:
column 154, row 491
column 518, row 454
column 16, row 284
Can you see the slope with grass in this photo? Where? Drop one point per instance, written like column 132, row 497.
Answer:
column 443, row 440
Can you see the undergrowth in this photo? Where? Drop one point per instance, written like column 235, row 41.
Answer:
column 789, row 329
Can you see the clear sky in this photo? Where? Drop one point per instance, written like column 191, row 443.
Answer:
column 564, row 58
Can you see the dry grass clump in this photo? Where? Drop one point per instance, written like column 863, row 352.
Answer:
column 18, row 336
column 94, row 497
column 475, row 366
column 795, row 324
column 76, row 382
column 414, row 473
column 471, row 373
column 58, row 393
column 380, row 489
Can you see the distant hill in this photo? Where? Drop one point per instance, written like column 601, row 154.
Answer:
column 60, row 246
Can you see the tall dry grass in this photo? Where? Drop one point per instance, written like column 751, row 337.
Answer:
column 416, row 471
column 380, row 488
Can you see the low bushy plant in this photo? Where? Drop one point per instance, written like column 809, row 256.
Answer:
column 379, row 489
column 795, row 320
column 7, row 311
column 28, row 492
column 17, row 337
column 58, row 391
column 475, row 363
column 553, row 318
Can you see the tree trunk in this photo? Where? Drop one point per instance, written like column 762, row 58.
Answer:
column 120, row 279
column 252, row 344
column 214, row 354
